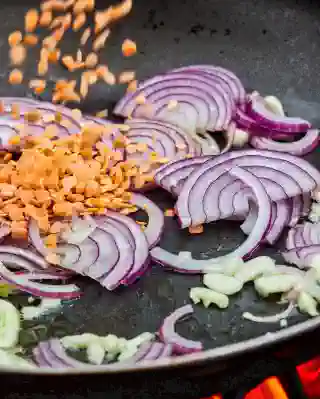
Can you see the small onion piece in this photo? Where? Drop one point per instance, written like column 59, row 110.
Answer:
column 168, row 334
column 301, row 147
column 43, row 290
column 155, row 225
column 179, row 141
column 184, row 264
column 270, row 319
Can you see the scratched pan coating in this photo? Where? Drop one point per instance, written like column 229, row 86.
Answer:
column 273, row 47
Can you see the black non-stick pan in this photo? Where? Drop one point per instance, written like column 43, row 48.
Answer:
column 274, row 47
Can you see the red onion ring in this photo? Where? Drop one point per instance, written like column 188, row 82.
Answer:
column 301, row 147
column 234, row 84
column 43, row 290
column 108, row 255
column 270, row 319
column 187, row 264
column 212, row 107
column 172, row 175
column 281, row 213
column 155, row 225
column 258, row 111
column 183, row 143
column 196, row 186
column 114, row 276
column 26, row 254
column 35, row 238
column 168, row 334
column 140, row 249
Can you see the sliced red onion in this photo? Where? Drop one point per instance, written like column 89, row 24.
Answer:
column 168, row 334
column 26, row 254
column 185, row 264
column 38, row 276
column 229, row 135
column 246, row 249
column 43, row 290
column 182, row 142
column 250, row 219
column 18, row 262
column 301, row 257
column 270, row 319
column 259, row 112
column 243, row 120
column 80, row 230
column 172, row 175
column 4, row 231
column 202, row 103
column 141, row 353
column 35, row 237
column 155, row 351
column 140, row 249
column 296, row 210
column 301, row 147
column 207, row 143
column 228, row 78
column 307, row 201
column 52, row 354
column 108, row 255
column 155, row 225
column 281, row 213
column 78, row 257
column 302, row 175
column 114, row 274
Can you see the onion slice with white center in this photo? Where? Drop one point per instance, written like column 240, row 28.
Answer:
column 270, row 319
column 26, row 254
column 258, row 111
column 155, row 224
column 236, row 89
column 172, row 175
column 139, row 246
column 159, row 130
column 108, row 254
column 281, row 213
column 43, row 290
column 80, row 230
column 200, row 97
column 190, row 205
column 301, row 147
column 35, row 238
column 184, row 264
column 169, row 335
column 115, row 276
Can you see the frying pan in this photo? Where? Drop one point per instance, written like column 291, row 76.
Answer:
column 273, row 47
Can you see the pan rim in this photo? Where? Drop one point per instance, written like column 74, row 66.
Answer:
column 194, row 359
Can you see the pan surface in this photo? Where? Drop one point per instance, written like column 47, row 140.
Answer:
column 274, row 47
